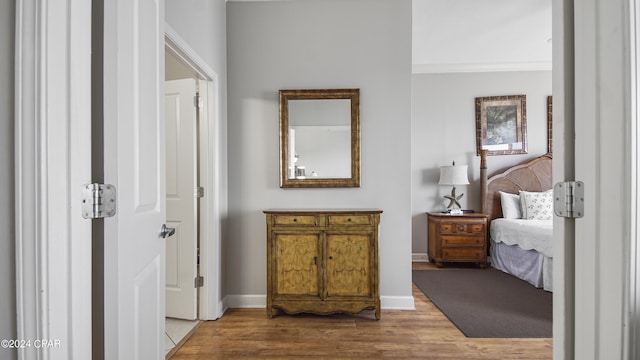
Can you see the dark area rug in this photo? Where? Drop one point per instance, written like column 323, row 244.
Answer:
column 488, row 303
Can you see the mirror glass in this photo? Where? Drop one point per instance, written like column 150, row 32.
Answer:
column 319, row 138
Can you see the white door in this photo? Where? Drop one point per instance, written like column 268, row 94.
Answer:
column 134, row 145
column 180, row 115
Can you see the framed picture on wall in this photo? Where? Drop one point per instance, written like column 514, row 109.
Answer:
column 501, row 124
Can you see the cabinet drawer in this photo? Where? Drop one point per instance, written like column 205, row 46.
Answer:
column 350, row 220
column 296, row 220
column 457, row 228
column 463, row 253
column 453, row 240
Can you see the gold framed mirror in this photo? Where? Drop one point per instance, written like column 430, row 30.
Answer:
column 320, row 138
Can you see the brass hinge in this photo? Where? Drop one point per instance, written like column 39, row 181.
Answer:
column 568, row 199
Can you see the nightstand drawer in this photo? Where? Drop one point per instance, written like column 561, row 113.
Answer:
column 295, row 220
column 452, row 240
column 463, row 253
column 458, row 228
column 350, row 220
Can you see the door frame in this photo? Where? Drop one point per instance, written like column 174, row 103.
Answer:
column 596, row 120
column 632, row 348
column 563, row 169
column 210, row 306
column 52, row 162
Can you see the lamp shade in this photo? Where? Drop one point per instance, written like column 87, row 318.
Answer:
column 453, row 175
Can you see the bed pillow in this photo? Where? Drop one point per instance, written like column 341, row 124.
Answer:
column 510, row 205
column 537, row 205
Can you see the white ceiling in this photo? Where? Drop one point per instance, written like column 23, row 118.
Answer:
column 481, row 35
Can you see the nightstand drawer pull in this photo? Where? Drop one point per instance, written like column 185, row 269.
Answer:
column 461, row 227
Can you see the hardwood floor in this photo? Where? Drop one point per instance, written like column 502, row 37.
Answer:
column 422, row 334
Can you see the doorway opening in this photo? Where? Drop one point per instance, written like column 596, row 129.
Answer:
column 192, row 161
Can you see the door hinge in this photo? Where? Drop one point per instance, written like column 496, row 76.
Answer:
column 199, row 192
column 198, row 281
column 98, row 201
column 196, row 101
column 568, row 199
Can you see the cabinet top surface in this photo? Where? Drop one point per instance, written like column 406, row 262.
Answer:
column 323, row 211
column 447, row 215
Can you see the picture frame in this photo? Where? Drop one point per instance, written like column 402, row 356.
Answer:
column 501, row 124
column 549, row 124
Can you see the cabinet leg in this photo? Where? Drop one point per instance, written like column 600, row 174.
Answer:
column 439, row 264
column 378, row 313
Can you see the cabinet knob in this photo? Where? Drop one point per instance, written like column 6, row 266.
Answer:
column 295, row 220
column 461, row 228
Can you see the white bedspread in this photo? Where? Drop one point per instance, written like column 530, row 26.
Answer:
column 528, row 234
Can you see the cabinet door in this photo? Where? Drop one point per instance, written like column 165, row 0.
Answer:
column 296, row 264
column 349, row 260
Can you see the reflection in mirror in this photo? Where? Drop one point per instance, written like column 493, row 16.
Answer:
column 319, row 136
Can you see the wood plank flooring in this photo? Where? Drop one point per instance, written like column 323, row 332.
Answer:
column 422, row 334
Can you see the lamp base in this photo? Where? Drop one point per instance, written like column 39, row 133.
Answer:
column 458, row 211
column 453, row 200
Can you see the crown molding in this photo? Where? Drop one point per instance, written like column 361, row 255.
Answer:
column 480, row 67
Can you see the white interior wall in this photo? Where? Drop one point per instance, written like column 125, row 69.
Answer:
column 443, row 130
column 362, row 44
column 7, row 245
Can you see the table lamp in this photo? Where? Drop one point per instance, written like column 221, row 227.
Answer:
column 453, row 175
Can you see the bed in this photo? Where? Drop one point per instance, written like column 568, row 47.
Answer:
column 521, row 247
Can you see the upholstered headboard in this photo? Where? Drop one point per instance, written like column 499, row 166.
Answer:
column 533, row 175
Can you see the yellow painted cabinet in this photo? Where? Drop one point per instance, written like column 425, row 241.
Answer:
column 322, row 262
column 349, row 258
column 296, row 268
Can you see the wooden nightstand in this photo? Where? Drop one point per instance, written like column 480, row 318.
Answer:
column 457, row 238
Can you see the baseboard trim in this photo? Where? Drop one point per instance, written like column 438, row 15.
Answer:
column 246, row 301
column 397, row 303
column 419, row 257
column 260, row 302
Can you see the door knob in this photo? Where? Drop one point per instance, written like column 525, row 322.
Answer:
column 165, row 231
